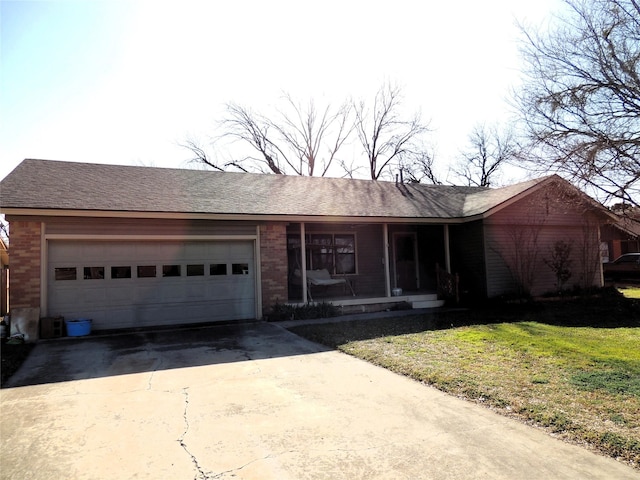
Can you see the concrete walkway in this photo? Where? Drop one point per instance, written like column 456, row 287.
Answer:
column 255, row 402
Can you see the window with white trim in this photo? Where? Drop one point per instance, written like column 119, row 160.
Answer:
column 335, row 252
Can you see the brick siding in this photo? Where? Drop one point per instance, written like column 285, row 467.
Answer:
column 24, row 261
column 273, row 264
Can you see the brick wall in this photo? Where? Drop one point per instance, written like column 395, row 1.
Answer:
column 273, row 264
column 24, row 264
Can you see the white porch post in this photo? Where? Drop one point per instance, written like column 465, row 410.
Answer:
column 385, row 249
column 447, row 253
column 303, row 261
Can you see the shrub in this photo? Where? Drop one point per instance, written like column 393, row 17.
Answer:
column 308, row 311
column 560, row 262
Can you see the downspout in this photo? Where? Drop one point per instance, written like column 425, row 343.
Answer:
column 44, row 261
column 447, row 250
column 303, row 261
column 385, row 249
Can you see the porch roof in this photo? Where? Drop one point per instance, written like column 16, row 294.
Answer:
column 54, row 186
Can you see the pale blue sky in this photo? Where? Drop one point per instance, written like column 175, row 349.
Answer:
column 123, row 81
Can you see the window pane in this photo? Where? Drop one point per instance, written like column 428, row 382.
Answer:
column 93, row 273
column 120, row 272
column 346, row 263
column 146, row 271
column 324, row 239
column 171, row 270
column 345, row 243
column 321, row 252
column 240, row 269
column 195, row 270
column 293, row 241
column 218, row 269
column 65, row 273
column 345, row 253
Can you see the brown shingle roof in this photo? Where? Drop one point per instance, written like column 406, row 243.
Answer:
column 45, row 184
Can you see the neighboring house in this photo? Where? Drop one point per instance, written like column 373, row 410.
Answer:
column 135, row 246
column 620, row 237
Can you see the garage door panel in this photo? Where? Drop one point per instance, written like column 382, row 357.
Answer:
column 120, row 294
column 147, row 292
column 204, row 294
column 94, row 295
column 197, row 250
column 144, row 254
column 197, row 291
column 172, row 292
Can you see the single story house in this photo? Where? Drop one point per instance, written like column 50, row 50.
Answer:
column 137, row 246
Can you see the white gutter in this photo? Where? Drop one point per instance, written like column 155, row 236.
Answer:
column 230, row 216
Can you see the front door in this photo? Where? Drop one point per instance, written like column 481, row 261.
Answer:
column 405, row 255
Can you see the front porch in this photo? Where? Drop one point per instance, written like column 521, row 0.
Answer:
column 369, row 267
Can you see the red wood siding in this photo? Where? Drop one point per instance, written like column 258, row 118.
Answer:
column 526, row 231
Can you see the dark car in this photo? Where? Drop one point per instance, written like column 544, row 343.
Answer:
column 624, row 267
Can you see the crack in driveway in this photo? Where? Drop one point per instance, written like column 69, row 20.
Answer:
column 201, row 475
column 237, row 469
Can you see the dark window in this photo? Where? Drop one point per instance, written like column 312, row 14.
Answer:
column 240, row 269
column 320, row 251
column 120, row 272
column 345, row 253
column 218, row 269
column 93, row 273
column 195, row 270
column 171, row 270
column 65, row 273
column 334, row 252
column 146, row 271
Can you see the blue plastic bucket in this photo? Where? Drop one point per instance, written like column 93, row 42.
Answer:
column 79, row 327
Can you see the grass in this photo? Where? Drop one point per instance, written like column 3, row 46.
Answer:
column 630, row 292
column 571, row 367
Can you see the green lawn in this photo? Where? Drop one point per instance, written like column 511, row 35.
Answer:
column 630, row 292
column 544, row 365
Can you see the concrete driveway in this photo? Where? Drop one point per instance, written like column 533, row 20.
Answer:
column 255, row 402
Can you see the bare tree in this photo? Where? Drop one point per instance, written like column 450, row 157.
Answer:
column 199, row 154
column 297, row 140
column 385, row 136
column 419, row 168
column 255, row 131
column 523, row 255
column 580, row 100
column 314, row 137
column 489, row 150
column 589, row 256
column 560, row 262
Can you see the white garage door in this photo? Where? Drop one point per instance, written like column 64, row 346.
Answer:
column 132, row 284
